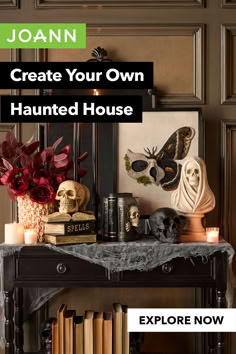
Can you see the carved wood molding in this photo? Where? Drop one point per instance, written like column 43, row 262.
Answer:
column 10, row 4
column 229, row 4
column 118, row 3
column 227, row 128
column 15, row 56
column 15, row 128
column 196, row 31
column 227, row 33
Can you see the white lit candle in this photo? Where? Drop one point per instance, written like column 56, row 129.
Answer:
column 31, row 236
column 14, row 233
column 212, row 234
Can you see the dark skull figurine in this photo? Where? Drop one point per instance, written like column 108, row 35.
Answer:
column 166, row 225
column 46, row 335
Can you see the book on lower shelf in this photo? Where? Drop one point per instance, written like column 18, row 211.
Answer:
column 61, row 325
column 93, row 333
column 118, row 330
column 78, row 334
column 58, row 240
column 121, row 334
column 126, row 346
column 107, row 333
column 88, row 332
column 98, row 333
column 69, row 331
column 55, row 337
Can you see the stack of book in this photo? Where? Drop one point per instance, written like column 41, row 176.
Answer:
column 93, row 333
column 62, row 229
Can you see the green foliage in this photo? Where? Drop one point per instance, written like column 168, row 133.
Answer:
column 127, row 163
column 144, row 180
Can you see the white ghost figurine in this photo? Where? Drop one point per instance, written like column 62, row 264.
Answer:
column 193, row 194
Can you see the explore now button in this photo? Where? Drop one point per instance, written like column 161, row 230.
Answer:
column 181, row 320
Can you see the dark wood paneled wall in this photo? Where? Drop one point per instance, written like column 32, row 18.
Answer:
column 202, row 32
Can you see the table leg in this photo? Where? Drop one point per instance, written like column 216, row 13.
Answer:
column 211, row 335
column 9, row 323
column 19, row 332
column 220, row 303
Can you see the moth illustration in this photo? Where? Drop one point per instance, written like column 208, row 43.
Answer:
column 161, row 168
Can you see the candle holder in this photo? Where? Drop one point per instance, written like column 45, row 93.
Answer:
column 212, row 234
column 31, row 236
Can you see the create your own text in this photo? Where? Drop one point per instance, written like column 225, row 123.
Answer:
column 112, row 75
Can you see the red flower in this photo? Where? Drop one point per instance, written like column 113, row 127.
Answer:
column 41, row 177
column 19, row 185
column 42, row 194
column 9, row 175
column 60, row 179
column 25, row 172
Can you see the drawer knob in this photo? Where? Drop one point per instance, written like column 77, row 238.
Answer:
column 61, row 268
column 167, row 268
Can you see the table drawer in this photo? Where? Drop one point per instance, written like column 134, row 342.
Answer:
column 176, row 271
column 59, row 268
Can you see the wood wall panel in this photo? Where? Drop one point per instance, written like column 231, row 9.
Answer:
column 177, row 53
column 229, row 3
column 234, row 65
column 228, row 221
column 228, row 64
column 228, row 198
column 4, row 56
column 9, row 55
column 233, row 194
column 117, row 3
column 9, row 211
column 173, row 69
column 10, row 4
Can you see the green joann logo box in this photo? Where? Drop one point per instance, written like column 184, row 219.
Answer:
column 43, row 35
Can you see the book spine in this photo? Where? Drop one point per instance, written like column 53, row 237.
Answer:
column 70, row 240
column 121, row 206
column 112, row 218
column 75, row 228
column 55, row 337
column 105, row 219
column 80, row 228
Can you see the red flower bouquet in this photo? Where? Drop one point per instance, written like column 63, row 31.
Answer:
column 32, row 178
column 23, row 169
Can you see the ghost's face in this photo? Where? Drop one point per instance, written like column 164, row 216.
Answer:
column 193, row 174
column 145, row 170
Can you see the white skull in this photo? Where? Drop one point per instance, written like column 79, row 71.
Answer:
column 193, row 174
column 71, row 195
column 142, row 168
column 134, row 215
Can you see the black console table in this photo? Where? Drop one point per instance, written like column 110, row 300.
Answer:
column 34, row 266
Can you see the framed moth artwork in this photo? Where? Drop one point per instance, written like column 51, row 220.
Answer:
column 150, row 154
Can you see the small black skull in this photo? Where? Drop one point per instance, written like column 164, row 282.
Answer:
column 46, row 334
column 166, row 225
